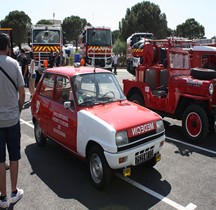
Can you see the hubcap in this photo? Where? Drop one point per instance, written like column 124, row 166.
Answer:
column 96, row 168
column 193, row 124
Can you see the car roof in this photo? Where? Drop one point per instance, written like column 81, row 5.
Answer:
column 71, row 70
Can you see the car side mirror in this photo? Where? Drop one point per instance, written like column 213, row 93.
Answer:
column 69, row 105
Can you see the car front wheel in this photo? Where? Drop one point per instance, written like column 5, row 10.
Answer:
column 100, row 172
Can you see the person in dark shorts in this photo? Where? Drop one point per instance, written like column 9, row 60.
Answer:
column 12, row 94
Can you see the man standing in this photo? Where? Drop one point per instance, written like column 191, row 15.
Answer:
column 24, row 67
column 12, row 94
column 115, row 63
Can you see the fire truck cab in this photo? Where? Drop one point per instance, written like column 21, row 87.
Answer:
column 96, row 46
column 167, row 84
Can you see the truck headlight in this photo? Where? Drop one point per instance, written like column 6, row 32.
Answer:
column 160, row 126
column 121, row 138
column 211, row 89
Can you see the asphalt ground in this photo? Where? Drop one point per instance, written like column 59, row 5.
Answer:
column 52, row 178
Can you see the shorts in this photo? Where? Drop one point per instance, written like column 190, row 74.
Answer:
column 34, row 76
column 10, row 136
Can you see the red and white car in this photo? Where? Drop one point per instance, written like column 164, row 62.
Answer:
column 85, row 110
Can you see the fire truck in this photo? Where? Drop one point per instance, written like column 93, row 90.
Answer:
column 45, row 39
column 96, row 46
column 135, row 44
column 8, row 31
column 166, row 83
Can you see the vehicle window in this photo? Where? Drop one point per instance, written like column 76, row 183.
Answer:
column 62, row 91
column 96, row 88
column 47, row 86
column 179, row 61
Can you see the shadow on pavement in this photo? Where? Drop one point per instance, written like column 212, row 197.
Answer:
column 67, row 176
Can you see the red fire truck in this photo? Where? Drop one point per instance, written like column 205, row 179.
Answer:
column 96, row 46
column 8, row 31
column 135, row 44
column 166, row 83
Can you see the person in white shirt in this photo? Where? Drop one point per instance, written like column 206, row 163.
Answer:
column 32, row 75
column 115, row 63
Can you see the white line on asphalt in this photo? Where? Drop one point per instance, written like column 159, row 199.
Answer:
column 27, row 123
column 191, row 145
column 177, row 206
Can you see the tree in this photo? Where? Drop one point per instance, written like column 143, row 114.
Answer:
column 190, row 29
column 44, row 22
column 144, row 17
column 20, row 24
column 73, row 26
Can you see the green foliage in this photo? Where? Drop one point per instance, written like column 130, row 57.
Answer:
column 144, row 17
column 73, row 26
column 190, row 29
column 44, row 22
column 20, row 23
column 120, row 47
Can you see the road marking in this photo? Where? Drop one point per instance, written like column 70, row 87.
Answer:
column 177, row 206
column 191, row 145
column 27, row 123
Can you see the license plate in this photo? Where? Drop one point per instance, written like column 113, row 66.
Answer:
column 143, row 157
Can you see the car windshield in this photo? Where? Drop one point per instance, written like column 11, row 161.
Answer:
column 96, row 88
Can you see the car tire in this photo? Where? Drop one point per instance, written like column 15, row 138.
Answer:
column 137, row 99
column 195, row 124
column 39, row 136
column 99, row 170
column 203, row 74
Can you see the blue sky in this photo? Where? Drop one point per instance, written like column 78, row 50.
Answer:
column 109, row 13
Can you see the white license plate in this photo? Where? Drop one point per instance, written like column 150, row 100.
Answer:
column 143, row 157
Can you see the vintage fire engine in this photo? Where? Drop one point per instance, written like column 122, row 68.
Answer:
column 135, row 44
column 166, row 83
column 96, row 46
column 46, row 38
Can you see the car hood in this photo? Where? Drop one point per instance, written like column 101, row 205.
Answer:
column 124, row 114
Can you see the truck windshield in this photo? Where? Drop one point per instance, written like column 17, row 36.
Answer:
column 46, row 36
column 179, row 61
column 136, row 38
column 91, row 89
column 99, row 37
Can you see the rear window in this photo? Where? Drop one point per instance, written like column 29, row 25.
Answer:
column 47, row 86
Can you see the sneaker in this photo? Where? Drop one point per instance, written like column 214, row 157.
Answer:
column 17, row 196
column 4, row 203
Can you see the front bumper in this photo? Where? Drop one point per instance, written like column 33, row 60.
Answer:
column 130, row 156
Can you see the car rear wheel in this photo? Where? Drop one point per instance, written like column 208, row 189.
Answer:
column 100, row 172
column 195, row 124
column 39, row 136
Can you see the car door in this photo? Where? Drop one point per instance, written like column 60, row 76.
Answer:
column 63, row 121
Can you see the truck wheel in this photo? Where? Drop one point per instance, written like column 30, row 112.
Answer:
column 100, row 172
column 39, row 136
column 195, row 124
column 137, row 98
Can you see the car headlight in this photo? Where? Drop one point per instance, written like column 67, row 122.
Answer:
column 160, row 126
column 211, row 89
column 121, row 138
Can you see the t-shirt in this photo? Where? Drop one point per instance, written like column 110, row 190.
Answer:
column 32, row 67
column 9, row 107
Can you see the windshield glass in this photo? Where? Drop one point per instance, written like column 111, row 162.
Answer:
column 96, row 88
column 46, row 36
column 99, row 37
column 179, row 61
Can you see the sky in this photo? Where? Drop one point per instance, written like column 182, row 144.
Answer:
column 109, row 13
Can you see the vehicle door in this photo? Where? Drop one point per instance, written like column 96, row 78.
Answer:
column 43, row 101
column 63, row 121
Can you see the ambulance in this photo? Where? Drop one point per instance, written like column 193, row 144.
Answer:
column 84, row 110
